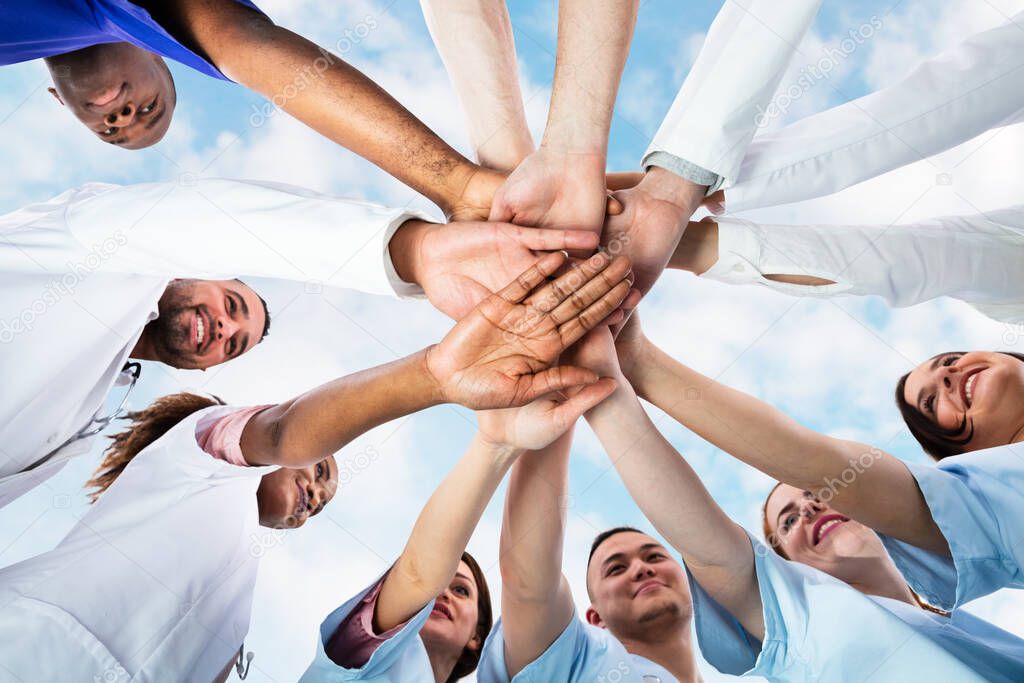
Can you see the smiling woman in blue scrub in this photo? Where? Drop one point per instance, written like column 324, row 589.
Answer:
column 953, row 530
column 426, row 619
column 758, row 614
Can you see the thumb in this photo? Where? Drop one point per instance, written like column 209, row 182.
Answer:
column 554, row 379
column 501, row 211
column 613, row 207
column 588, row 397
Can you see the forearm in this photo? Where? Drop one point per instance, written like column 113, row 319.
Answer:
column 593, row 42
column 666, row 488
column 532, row 528
column 697, row 250
column 475, row 41
column 341, row 103
column 442, row 531
column 305, row 430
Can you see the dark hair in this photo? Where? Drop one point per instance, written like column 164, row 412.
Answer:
column 771, row 537
column 936, row 441
column 470, row 658
column 266, row 311
column 605, row 535
column 147, row 426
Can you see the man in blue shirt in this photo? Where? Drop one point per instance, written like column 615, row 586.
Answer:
column 106, row 60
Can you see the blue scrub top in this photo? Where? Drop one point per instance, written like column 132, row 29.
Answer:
column 818, row 628
column 402, row 658
column 581, row 654
column 43, row 28
column 977, row 501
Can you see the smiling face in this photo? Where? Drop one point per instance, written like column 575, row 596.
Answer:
column 452, row 624
column 202, row 323
column 808, row 531
column 635, row 585
column 288, row 497
column 976, row 397
column 122, row 93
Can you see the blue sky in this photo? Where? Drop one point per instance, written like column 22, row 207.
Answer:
column 831, row 364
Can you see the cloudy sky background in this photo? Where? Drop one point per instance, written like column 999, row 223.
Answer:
column 829, row 363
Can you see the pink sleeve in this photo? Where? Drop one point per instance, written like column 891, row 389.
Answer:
column 220, row 436
column 354, row 640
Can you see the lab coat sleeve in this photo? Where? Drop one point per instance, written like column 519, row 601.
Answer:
column 976, row 501
column 744, row 57
column 220, row 229
column 950, row 99
column 973, row 258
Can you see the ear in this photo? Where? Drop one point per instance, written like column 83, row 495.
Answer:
column 474, row 643
column 594, row 619
column 56, row 95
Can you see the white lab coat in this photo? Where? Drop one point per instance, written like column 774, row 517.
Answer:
column 978, row 259
column 154, row 583
column 80, row 276
column 715, row 115
column 946, row 101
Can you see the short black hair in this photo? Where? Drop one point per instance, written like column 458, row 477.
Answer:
column 266, row 310
column 605, row 535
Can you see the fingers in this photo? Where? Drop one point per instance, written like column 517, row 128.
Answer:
column 592, row 316
column 585, row 399
column 558, row 378
column 607, row 272
column 623, row 181
column 530, row 279
column 544, row 239
column 715, row 203
column 590, row 292
column 613, row 207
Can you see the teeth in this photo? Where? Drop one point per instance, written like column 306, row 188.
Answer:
column 969, row 390
column 826, row 526
column 199, row 331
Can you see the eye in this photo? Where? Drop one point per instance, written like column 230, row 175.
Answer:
column 232, row 345
column 929, row 404
column 107, row 132
column 231, row 305
column 655, row 557
column 614, row 569
column 148, row 109
column 462, row 590
column 788, row 522
column 950, row 360
column 319, row 470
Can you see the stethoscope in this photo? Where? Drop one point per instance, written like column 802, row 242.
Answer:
column 95, row 425
column 243, row 661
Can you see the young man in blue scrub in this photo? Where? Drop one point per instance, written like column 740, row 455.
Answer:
column 105, row 59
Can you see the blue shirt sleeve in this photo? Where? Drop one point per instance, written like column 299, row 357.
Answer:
column 977, row 500
column 581, row 653
column 393, row 654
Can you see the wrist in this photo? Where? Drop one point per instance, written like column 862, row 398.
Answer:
column 457, row 186
column 425, row 380
column 406, row 248
column 666, row 186
column 502, row 453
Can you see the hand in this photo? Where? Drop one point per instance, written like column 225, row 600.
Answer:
column 554, row 189
column 475, row 202
column 539, row 423
column 459, row 264
column 596, row 351
column 500, row 354
column 655, row 215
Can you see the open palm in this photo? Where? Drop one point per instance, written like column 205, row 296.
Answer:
column 500, row 354
column 464, row 263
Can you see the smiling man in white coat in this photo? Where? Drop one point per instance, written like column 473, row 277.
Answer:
column 104, row 274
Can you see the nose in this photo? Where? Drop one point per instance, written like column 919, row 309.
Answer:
column 123, row 116
column 642, row 570
column 812, row 507
column 316, row 496
column 949, row 377
column 226, row 327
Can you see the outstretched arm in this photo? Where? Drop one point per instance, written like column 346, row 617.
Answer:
column 499, row 355
column 443, row 529
column 867, row 484
column 330, row 96
column 562, row 184
column 670, row 494
column 536, row 601
column 474, row 39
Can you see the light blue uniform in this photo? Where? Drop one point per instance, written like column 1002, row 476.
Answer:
column 402, row 658
column 977, row 500
column 818, row 628
column 581, row 654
